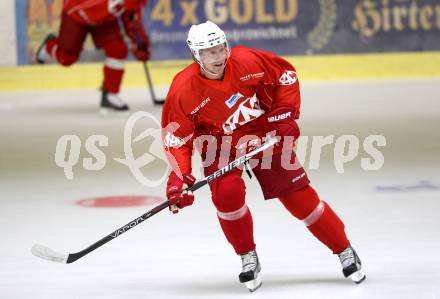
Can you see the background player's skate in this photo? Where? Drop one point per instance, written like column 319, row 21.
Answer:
column 111, row 102
column 42, row 55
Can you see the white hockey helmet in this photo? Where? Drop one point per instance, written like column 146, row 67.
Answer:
column 203, row 36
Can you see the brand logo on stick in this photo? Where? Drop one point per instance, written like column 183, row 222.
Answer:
column 127, row 227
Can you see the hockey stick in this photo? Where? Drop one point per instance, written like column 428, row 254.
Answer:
column 144, row 64
column 46, row 253
column 151, row 86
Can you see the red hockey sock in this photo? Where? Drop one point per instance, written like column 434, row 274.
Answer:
column 50, row 45
column 228, row 196
column 112, row 79
column 115, row 55
column 329, row 229
column 239, row 232
column 60, row 55
column 319, row 218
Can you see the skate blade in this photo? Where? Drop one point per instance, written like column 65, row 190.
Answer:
column 358, row 276
column 111, row 112
column 253, row 285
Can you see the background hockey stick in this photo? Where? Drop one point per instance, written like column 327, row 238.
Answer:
column 54, row 256
column 156, row 101
column 138, row 39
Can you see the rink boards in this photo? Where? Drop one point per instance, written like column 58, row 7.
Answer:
column 313, row 68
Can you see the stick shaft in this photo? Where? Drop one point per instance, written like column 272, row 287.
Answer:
column 74, row 256
column 151, row 86
column 239, row 161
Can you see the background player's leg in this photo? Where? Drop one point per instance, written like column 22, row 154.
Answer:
column 66, row 47
column 108, row 37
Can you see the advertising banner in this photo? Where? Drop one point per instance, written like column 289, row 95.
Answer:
column 285, row 27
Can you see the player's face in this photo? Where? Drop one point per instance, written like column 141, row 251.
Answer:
column 214, row 59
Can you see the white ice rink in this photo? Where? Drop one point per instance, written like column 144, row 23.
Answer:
column 392, row 215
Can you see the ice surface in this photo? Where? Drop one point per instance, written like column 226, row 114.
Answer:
column 391, row 215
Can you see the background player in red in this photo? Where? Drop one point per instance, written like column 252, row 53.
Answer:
column 101, row 18
column 236, row 97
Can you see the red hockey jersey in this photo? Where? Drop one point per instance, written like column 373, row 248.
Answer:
column 93, row 12
column 254, row 82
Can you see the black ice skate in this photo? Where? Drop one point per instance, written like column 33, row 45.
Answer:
column 351, row 265
column 42, row 54
column 111, row 102
column 250, row 271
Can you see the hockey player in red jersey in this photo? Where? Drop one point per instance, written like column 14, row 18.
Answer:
column 236, row 98
column 102, row 18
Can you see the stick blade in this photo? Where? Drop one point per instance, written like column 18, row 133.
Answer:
column 46, row 253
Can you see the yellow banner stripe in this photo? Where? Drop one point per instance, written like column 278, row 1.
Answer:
column 310, row 68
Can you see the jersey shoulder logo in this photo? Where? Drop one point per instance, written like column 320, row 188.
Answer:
column 287, row 78
column 115, row 7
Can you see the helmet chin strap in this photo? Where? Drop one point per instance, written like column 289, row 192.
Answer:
column 206, row 71
column 211, row 73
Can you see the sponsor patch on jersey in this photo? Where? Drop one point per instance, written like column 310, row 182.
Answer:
column 251, row 76
column 279, row 117
column 233, row 100
column 201, row 105
column 297, row 178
